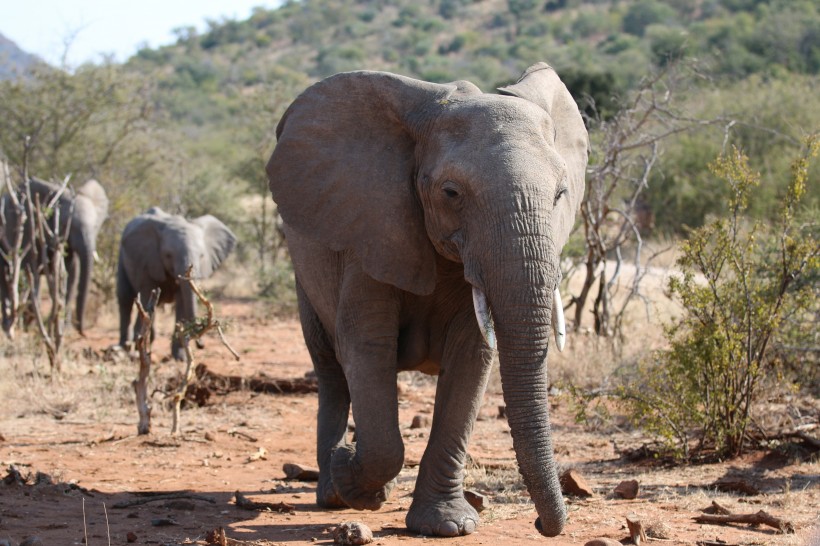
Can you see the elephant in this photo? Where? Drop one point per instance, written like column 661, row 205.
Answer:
column 425, row 223
column 82, row 214
column 157, row 248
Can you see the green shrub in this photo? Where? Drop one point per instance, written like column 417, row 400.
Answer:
column 740, row 285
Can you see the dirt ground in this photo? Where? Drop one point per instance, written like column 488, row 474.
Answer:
column 100, row 483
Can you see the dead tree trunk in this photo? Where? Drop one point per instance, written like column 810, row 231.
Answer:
column 186, row 333
column 49, row 239
column 617, row 179
column 13, row 252
column 143, row 345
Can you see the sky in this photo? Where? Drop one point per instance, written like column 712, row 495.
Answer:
column 95, row 28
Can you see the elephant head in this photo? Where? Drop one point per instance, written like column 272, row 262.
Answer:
column 157, row 249
column 398, row 170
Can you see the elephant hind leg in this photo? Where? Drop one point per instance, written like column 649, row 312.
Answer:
column 126, row 294
column 334, row 399
column 72, row 265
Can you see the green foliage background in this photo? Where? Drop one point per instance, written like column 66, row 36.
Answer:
column 194, row 121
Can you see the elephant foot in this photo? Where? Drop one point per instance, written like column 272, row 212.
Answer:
column 178, row 351
column 445, row 518
column 326, row 495
column 351, row 484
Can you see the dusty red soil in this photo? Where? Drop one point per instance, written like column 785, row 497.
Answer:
column 80, row 429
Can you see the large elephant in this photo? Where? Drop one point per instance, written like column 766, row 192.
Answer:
column 82, row 213
column 410, row 210
column 155, row 250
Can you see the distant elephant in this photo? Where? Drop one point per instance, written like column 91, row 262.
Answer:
column 410, row 210
column 155, row 250
column 87, row 209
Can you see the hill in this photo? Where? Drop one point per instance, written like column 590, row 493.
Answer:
column 13, row 60
column 602, row 47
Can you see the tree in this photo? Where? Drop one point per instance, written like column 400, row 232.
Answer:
column 73, row 122
column 627, row 149
column 740, row 285
column 643, row 13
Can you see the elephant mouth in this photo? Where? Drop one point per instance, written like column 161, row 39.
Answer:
column 487, row 326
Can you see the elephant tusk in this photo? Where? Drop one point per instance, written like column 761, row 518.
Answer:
column 558, row 324
column 96, row 257
column 484, row 317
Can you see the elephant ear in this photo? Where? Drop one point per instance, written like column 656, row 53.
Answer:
column 95, row 194
column 219, row 242
column 344, row 166
column 541, row 85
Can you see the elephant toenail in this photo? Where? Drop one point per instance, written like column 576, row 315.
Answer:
column 448, row 529
column 426, row 530
column 469, row 526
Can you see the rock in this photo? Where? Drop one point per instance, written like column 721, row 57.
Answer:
column 658, row 529
column 627, row 489
column 295, row 471
column 420, row 421
column 352, row 532
column 603, row 542
column 476, row 500
column 131, row 536
column 573, row 483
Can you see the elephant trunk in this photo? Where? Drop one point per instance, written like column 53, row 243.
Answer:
column 86, row 259
column 524, row 382
column 521, row 302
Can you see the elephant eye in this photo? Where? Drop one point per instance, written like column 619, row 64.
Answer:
column 451, row 189
column 560, row 193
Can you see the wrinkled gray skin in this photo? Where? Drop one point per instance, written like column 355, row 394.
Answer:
column 87, row 209
column 155, row 250
column 400, row 197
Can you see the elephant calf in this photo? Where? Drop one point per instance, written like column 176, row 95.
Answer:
column 155, row 250
column 411, row 209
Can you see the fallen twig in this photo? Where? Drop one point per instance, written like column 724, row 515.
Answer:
column 717, row 508
column 245, row 435
column 160, row 497
column 228, row 383
column 246, row 504
column 758, row 518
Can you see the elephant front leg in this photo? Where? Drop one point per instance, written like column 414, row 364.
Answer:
column 439, row 507
column 364, row 472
